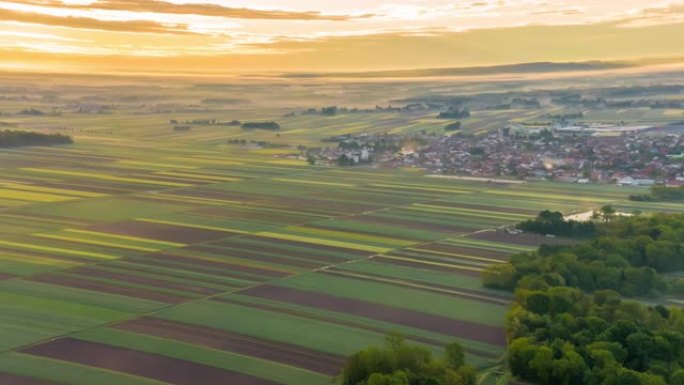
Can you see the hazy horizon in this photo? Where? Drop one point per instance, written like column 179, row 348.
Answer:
column 225, row 37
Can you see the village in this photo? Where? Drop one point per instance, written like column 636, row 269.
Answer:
column 634, row 157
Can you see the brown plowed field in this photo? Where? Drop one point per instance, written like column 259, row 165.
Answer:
column 525, row 239
column 312, row 254
column 427, row 266
column 162, row 284
column 218, row 264
column 224, row 340
column 447, row 229
column 161, row 232
column 355, row 252
column 107, row 288
column 348, row 323
column 161, row 261
column 495, row 299
column 254, row 256
column 171, row 370
column 412, row 318
column 11, row 379
column 493, row 254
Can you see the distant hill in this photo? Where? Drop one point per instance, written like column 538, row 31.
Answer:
column 522, row 68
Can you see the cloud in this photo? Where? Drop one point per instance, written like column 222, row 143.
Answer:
column 606, row 41
column 140, row 26
column 200, row 9
column 672, row 13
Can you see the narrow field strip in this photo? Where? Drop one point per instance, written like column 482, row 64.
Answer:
column 419, row 286
column 28, row 196
column 325, row 242
column 94, row 242
column 27, row 246
column 139, row 363
column 126, row 238
column 313, row 182
column 105, row 177
column 429, row 263
column 63, row 372
column 57, row 191
column 224, row 340
column 181, row 224
column 407, row 317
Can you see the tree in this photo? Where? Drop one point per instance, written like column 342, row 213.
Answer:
column 677, row 377
column 500, row 276
column 399, row 363
column 543, row 364
column 608, row 213
column 538, row 302
column 455, row 355
column 566, row 328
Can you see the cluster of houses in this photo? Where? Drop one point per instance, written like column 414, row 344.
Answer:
column 632, row 158
column 362, row 149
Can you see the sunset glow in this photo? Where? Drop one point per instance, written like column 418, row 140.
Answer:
column 227, row 36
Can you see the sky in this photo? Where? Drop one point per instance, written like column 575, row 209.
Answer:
column 231, row 36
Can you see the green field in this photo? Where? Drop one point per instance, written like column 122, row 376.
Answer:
column 178, row 247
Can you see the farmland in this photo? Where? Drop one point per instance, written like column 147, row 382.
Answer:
column 143, row 255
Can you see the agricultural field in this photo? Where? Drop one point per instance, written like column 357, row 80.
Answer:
column 144, row 256
column 118, row 260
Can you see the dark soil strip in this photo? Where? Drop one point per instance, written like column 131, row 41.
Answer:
column 214, row 194
column 496, row 209
column 178, row 272
column 46, row 255
column 359, row 253
column 489, row 334
column 255, row 256
column 347, row 323
column 387, row 234
column 326, row 205
column 3, row 277
column 224, row 340
column 160, row 261
column 409, row 224
column 303, row 253
column 163, row 284
column 499, row 255
column 525, row 239
column 259, row 215
column 427, row 266
column 161, row 232
column 220, row 265
column 495, row 299
column 82, row 283
column 141, row 364
column 11, row 379
column 87, row 188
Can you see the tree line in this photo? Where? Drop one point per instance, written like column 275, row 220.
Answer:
column 9, row 138
column 399, row 363
column 548, row 222
column 660, row 193
column 570, row 323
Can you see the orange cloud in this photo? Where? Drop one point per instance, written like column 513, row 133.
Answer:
column 141, row 26
column 207, row 9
